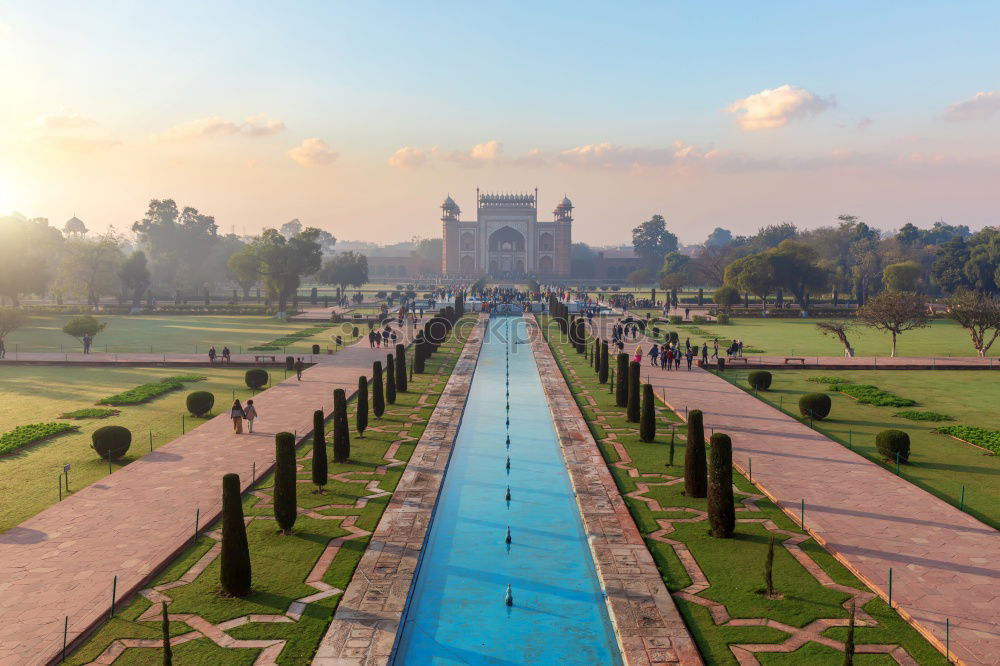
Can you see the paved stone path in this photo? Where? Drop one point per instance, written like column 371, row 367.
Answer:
column 943, row 561
column 61, row 563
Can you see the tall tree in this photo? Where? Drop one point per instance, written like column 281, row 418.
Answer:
column 721, row 512
column 89, row 267
column 319, row 467
column 652, row 241
column 675, row 271
column 347, row 269
column 285, row 490
column 244, row 268
column 948, row 270
column 234, row 572
column 284, row 261
column 895, row 312
column 753, row 273
column 695, row 463
column 135, row 276
column 902, row 276
column 977, row 313
column 28, row 252
column 719, row 238
column 796, row 267
column 11, row 319
column 341, row 428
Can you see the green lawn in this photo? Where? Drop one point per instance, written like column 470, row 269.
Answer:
column 939, row 464
column 281, row 563
column 733, row 567
column 35, row 394
column 171, row 334
column 800, row 337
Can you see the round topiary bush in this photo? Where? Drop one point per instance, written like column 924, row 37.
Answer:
column 721, row 362
column 289, row 363
column 111, row 441
column 891, row 442
column 815, row 405
column 200, row 403
column 256, row 378
column 759, row 379
column 722, row 318
column 675, row 319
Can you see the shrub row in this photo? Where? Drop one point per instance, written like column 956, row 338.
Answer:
column 23, row 435
column 988, row 439
column 91, row 413
column 827, row 379
column 915, row 415
column 290, row 339
column 867, row 394
column 146, row 392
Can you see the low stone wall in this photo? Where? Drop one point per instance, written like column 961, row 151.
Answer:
column 648, row 626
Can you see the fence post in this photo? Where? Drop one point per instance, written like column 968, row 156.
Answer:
column 961, row 504
column 114, row 592
column 65, row 634
column 59, row 479
column 183, row 425
column 802, row 514
column 197, row 519
column 750, row 470
column 890, row 587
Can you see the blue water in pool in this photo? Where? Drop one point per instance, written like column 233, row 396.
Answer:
column 456, row 612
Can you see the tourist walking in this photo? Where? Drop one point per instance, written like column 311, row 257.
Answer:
column 704, row 353
column 87, row 341
column 237, row 415
column 654, row 353
column 371, row 339
column 663, row 356
column 638, row 354
column 299, row 367
column 251, row 413
column 3, row 349
column 690, row 358
column 715, row 348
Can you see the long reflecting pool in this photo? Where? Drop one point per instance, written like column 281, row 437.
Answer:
column 457, row 613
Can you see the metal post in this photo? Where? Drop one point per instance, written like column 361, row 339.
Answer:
column 59, row 479
column 850, row 439
column 114, row 592
column 890, row 587
column 750, row 465
column 897, row 463
column 961, row 504
column 947, row 638
column 253, row 472
column 183, row 426
column 197, row 519
column 150, row 441
column 109, row 462
column 802, row 514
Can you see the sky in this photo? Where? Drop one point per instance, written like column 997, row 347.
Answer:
column 360, row 117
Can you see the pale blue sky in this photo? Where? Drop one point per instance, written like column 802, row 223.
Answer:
column 370, row 78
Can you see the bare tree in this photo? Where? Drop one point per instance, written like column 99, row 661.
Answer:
column 840, row 329
column 896, row 312
column 979, row 314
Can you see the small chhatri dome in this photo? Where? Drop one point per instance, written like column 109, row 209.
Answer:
column 75, row 225
column 449, row 204
column 565, row 204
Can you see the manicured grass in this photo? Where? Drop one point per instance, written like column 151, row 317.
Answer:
column 186, row 334
column 734, row 567
column 938, row 464
column 281, row 563
column 800, row 337
column 31, row 394
column 867, row 394
column 146, row 392
column 23, row 435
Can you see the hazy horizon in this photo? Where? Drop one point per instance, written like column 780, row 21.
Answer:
column 360, row 120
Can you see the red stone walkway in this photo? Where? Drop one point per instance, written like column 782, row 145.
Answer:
column 944, row 562
column 62, row 562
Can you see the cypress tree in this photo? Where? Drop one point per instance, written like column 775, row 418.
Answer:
column 634, row 370
column 721, row 512
column 769, row 568
column 341, row 429
column 361, row 419
column 378, row 398
column 595, row 355
column 849, row 643
column 234, row 572
column 168, row 655
column 603, row 375
column 401, row 368
column 647, row 424
column 418, row 354
column 285, row 501
column 621, row 381
column 319, row 467
column 390, row 380
column 695, row 467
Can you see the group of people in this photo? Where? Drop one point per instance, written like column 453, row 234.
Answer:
column 620, row 333
column 226, row 355
column 384, row 338
column 668, row 356
column 239, row 413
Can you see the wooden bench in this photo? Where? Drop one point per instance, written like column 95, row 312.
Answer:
column 734, row 359
column 258, row 359
column 800, row 359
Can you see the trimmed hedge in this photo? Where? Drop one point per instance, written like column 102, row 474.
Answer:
column 866, row 394
column 200, row 403
column 988, row 439
column 111, row 441
column 759, row 379
column 234, row 569
column 91, row 413
column 826, row 379
column 891, row 442
column 256, row 378
column 815, row 405
column 23, row 435
column 915, row 415
column 146, row 392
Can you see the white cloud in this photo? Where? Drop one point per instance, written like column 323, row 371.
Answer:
column 408, row 158
column 612, row 156
column 78, row 144
column 212, row 126
column 980, row 107
column 486, row 152
column 774, row 107
column 61, row 120
column 313, row 152
column 480, row 154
